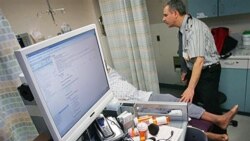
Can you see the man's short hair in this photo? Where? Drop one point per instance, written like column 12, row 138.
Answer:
column 177, row 5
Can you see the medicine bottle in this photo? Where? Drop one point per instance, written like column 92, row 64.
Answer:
column 150, row 119
column 160, row 120
column 133, row 132
column 142, row 119
column 143, row 130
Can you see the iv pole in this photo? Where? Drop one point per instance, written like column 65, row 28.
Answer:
column 52, row 11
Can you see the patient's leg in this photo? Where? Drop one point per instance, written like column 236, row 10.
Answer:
column 193, row 110
column 217, row 137
column 198, row 112
column 221, row 120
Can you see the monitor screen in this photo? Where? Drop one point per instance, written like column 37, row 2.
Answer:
column 68, row 79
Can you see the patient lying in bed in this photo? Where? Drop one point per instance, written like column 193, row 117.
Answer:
column 125, row 91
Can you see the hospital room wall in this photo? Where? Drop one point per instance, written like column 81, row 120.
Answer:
column 22, row 16
column 167, row 47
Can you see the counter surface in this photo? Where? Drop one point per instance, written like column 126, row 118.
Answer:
column 241, row 52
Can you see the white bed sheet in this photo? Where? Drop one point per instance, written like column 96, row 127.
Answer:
column 123, row 90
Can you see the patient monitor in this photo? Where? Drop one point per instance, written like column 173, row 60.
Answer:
column 68, row 79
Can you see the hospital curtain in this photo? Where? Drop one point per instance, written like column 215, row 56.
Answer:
column 128, row 33
column 15, row 122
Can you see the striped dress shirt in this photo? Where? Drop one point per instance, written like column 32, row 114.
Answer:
column 197, row 40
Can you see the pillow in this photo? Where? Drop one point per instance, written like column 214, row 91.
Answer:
column 123, row 90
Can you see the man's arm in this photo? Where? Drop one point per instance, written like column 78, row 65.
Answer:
column 188, row 94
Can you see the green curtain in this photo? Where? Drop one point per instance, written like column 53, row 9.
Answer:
column 15, row 121
column 128, row 33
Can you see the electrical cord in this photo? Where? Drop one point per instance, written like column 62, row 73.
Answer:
column 168, row 139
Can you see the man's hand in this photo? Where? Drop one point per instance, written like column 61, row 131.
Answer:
column 187, row 96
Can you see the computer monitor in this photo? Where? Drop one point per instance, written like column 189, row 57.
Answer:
column 68, row 79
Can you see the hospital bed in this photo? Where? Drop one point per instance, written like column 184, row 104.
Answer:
column 125, row 91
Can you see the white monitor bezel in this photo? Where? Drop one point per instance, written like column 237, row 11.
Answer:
column 75, row 132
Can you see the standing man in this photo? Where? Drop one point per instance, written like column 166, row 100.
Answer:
column 200, row 60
